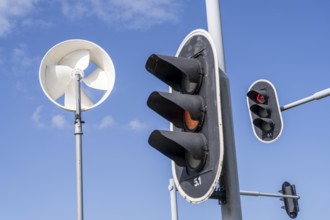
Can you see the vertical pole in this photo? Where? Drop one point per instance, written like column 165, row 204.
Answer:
column 214, row 28
column 78, row 133
column 174, row 206
column 231, row 210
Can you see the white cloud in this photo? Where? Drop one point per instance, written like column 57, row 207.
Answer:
column 133, row 14
column 20, row 87
column 58, row 121
column 22, row 62
column 74, row 10
column 137, row 125
column 36, row 117
column 106, row 122
column 5, row 26
column 19, row 54
column 31, row 22
column 18, row 64
column 10, row 11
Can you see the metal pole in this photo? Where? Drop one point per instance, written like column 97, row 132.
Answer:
column 174, row 206
column 316, row 96
column 253, row 193
column 214, row 28
column 78, row 133
column 232, row 209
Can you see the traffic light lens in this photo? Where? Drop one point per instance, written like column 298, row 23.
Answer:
column 263, row 112
column 193, row 163
column 191, row 124
column 260, row 98
column 265, row 126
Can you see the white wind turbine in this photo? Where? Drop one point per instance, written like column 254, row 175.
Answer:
column 77, row 75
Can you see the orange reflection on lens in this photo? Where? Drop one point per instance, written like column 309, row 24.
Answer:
column 190, row 123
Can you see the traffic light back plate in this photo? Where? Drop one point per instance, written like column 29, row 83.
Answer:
column 265, row 112
column 198, row 186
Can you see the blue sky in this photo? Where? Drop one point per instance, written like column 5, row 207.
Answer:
column 286, row 42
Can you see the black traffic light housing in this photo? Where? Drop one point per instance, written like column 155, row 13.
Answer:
column 290, row 204
column 265, row 112
column 194, row 142
column 182, row 74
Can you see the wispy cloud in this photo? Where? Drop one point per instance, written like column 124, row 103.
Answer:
column 59, row 122
column 132, row 14
column 33, row 22
column 21, row 61
column 137, row 125
column 36, row 117
column 11, row 10
column 74, row 10
column 106, row 122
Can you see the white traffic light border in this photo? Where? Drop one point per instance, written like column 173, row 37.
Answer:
column 278, row 106
column 197, row 181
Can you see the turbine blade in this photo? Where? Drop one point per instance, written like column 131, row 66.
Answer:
column 86, row 102
column 57, row 78
column 97, row 80
column 78, row 59
column 70, row 96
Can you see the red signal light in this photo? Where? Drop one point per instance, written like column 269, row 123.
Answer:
column 260, row 98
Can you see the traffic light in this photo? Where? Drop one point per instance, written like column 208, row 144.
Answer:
column 265, row 112
column 194, row 142
column 290, row 204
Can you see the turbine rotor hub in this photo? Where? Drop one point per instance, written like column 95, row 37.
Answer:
column 77, row 71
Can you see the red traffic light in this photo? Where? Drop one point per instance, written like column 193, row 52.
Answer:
column 265, row 112
column 258, row 96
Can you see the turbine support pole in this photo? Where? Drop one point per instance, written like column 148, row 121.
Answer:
column 78, row 133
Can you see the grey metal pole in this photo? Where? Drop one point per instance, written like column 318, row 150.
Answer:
column 174, row 206
column 316, row 96
column 214, row 28
column 78, row 133
column 232, row 209
column 253, row 193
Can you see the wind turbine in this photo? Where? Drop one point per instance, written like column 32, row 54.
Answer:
column 77, row 75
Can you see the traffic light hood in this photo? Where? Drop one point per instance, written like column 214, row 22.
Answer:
column 182, row 74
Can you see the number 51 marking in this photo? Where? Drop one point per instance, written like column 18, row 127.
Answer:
column 197, row 181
